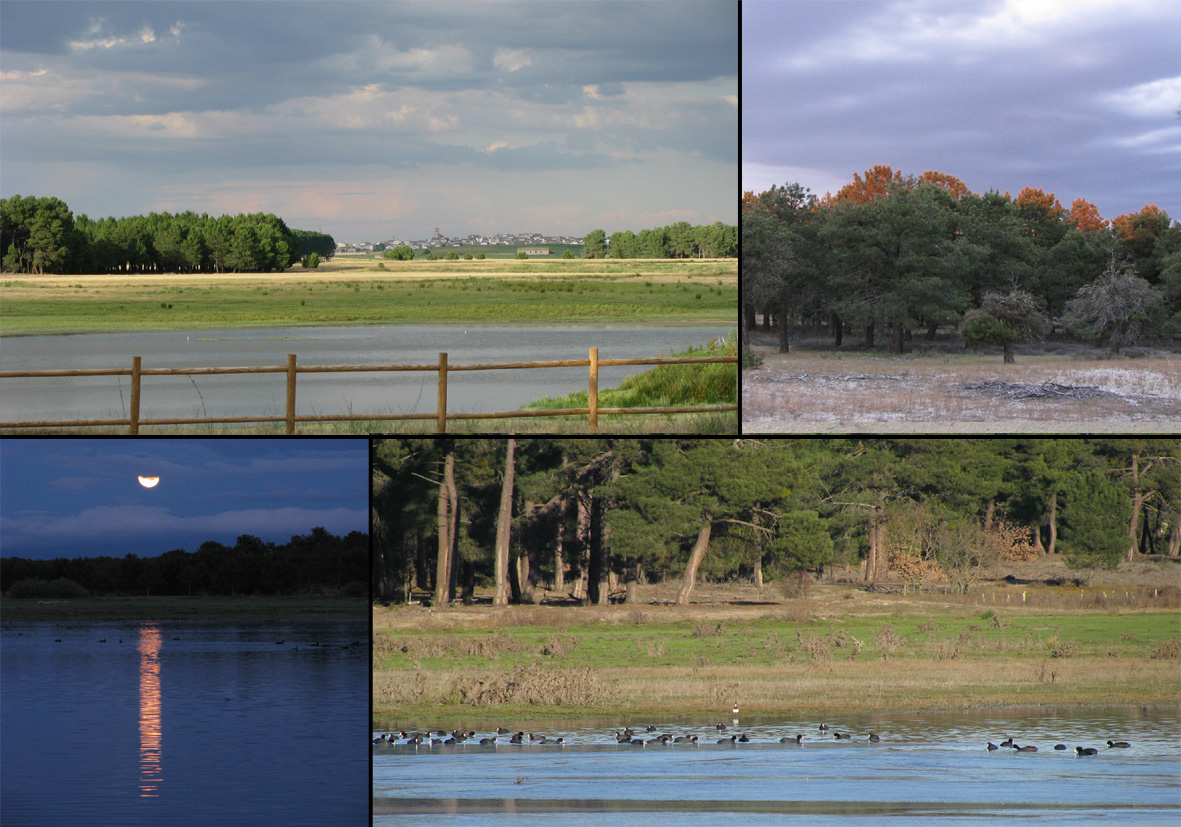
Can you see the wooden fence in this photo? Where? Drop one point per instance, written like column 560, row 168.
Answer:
column 441, row 416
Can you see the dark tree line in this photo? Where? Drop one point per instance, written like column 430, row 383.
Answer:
column 312, row 563
column 41, row 235
column 585, row 520
column 896, row 256
column 679, row 240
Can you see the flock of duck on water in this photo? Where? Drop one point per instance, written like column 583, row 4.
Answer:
column 628, row 736
column 1080, row 750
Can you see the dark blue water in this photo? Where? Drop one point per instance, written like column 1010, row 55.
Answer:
column 927, row 769
column 223, row 726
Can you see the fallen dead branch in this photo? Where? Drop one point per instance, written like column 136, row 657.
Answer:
column 861, row 377
column 1046, row 390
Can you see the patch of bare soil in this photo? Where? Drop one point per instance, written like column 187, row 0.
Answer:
column 1071, row 389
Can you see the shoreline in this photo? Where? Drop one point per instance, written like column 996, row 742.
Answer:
column 19, row 610
column 563, row 323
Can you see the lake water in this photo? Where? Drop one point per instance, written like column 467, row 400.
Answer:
column 223, row 726
column 328, row 393
column 929, row 768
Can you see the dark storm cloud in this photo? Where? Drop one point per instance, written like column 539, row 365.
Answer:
column 1075, row 98
column 171, row 95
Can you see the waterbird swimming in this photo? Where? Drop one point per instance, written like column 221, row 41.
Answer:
column 1086, row 750
column 1120, row 744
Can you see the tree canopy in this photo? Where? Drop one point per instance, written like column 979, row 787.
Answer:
column 895, row 253
column 41, row 235
column 306, row 564
column 587, row 518
column 679, row 240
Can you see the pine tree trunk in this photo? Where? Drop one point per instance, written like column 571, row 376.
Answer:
column 504, row 528
column 695, row 558
column 758, row 572
column 601, row 570
column 559, row 565
column 1009, row 360
column 443, row 561
column 1175, row 536
column 452, row 533
column 1053, row 523
column 1137, row 505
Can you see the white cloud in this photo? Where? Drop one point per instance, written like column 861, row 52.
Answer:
column 511, row 59
column 1156, row 99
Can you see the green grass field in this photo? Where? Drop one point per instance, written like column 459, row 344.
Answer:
column 375, row 292
column 787, row 658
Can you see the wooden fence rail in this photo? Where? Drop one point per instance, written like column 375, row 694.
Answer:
column 137, row 371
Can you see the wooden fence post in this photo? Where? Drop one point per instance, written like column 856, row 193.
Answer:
column 290, row 394
column 592, row 392
column 135, row 368
column 441, row 422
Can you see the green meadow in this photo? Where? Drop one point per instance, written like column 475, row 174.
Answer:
column 375, row 292
column 775, row 659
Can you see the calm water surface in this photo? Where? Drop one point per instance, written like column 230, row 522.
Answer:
column 927, row 769
column 223, row 726
column 328, row 393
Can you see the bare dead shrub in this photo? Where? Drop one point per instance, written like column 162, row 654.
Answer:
column 928, row 626
column 656, row 649
column 816, row 646
column 949, row 649
column 1168, row 650
column 559, row 646
column 887, row 640
column 797, row 585
column 722, row 695
column 531, row 685
column 707, row 629
column 1061, row 648
column 637, row 616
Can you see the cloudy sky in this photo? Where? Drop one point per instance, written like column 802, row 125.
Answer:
column 82, row 498
column 1078, row 97
column 372, row 120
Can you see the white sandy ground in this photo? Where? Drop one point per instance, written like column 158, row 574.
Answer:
column 807, row 392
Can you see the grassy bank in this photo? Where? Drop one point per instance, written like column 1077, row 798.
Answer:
column 666, row 385
column 180, row 608
column 876, row 653
column 367, row 292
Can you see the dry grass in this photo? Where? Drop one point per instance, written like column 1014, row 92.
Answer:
column 842, row 649
column 809, row 389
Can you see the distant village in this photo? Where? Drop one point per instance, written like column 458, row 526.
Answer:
column 439, row 240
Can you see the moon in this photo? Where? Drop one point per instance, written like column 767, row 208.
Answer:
column 149, row 482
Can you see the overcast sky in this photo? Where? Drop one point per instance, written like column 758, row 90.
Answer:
column 372, row 120
column 82, row 498
column 1077, row 97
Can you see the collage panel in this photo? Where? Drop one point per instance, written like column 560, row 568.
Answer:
column 184, row 631
column 807, row 629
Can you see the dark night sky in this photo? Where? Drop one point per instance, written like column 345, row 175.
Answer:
column 81, row 497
